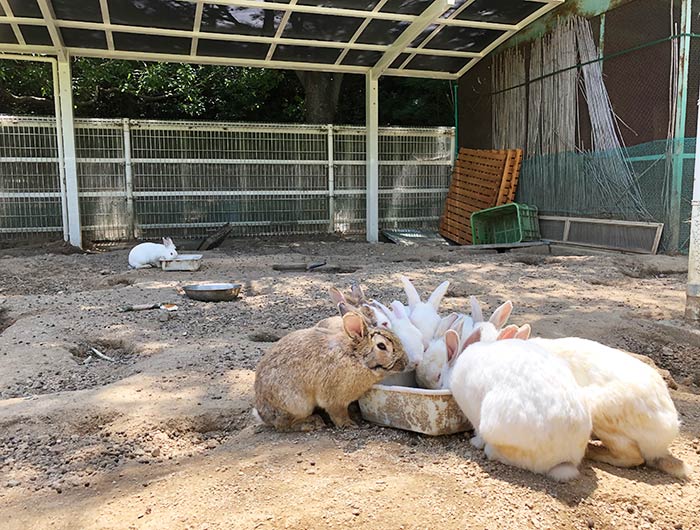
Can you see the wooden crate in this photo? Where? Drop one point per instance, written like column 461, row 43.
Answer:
column 482, row 178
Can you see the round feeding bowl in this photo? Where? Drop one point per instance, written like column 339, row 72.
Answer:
column 213, row 292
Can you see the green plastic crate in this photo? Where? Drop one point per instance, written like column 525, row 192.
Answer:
column 510, row 223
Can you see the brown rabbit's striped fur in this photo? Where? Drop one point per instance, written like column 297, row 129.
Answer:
column 318, row 367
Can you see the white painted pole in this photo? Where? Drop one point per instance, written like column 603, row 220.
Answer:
column 59, row 148
column 692, row 300
column 331, row 179
column 69, row 158
column 129, row 180
column 372, row 122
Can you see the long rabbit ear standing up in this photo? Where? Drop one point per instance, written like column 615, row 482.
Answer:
column 399, row 310
column 337, row 296
column 523, row 332
column 357, row 293
column 452, row 343
column 501, row 314
column 509, row 332
column 446, row 323
column 411, row 293
column 438, row 294
column 477, row 315
column 473, row 338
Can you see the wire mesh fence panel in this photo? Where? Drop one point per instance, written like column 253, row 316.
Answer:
column 101, row 180
column 154, row 178
column 263, row 179
column 30, row 187
column 414, row 173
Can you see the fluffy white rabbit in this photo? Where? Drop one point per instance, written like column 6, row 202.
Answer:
column 524, row 404
column 429, row 371
column 424, row 315
column 410, row 337
column 633, row 414
column 149, row 254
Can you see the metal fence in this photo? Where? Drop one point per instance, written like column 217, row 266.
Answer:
column 150, row 178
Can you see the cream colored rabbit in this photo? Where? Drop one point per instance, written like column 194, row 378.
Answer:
column 319, row 367
column 633, row 414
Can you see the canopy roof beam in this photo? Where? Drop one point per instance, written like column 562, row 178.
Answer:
column 429, row 16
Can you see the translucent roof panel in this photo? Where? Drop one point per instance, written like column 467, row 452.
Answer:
column 7, row 35
column 84, row 38
column 171, row 14
column 246, row 50
column 503, row 11
column 414, row 38
column 382, row 32
column 25, row 8
column 409, row 7
column 322, row 27
column 463, row 39
column 240, row 20
column 37, row 35
column 87, row 10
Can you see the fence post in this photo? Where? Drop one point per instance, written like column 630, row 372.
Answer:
column 331, row 181
column 129, row 179
column 64, row 91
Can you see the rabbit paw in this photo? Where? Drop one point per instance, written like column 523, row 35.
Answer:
column 477, row 441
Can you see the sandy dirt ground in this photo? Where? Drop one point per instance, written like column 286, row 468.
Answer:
column 163, row 438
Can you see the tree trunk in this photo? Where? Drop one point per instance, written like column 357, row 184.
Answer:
column 322, row 90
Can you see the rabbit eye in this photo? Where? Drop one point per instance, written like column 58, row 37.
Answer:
column 381, row 346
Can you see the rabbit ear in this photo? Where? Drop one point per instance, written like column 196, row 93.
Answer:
column 399, row 310
column 509, row 332
column 523, row 332
column 168, row 242
column 337, row 296
column 356, row 291
column 501, row 314
column 343, row 308
column 474, row 337
column 354, row 325
column 384, row 309
column 411, row 293
column 438, row 294
column 445, row 324
column 452, row 343
column 477, row 315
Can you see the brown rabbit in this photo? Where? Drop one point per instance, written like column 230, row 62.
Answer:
column 318, row 367
column 354, row 301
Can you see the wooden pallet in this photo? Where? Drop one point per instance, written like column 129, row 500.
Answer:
column 481, row 179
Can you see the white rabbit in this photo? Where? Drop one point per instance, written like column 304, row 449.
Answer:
column 410, row 337
column 633, row 414
column 150, row 254
column 424, row 315
column 524, row 404
column 429, row 372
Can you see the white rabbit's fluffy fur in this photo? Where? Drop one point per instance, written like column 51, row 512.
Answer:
column 633, row 414
column 524, row 403
column 150, row 254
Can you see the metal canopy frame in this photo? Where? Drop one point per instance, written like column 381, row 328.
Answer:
column 413, row 52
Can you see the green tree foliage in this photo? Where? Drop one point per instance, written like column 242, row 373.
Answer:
column 126, row 89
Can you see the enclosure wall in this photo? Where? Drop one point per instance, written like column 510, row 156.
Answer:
column 641, row 48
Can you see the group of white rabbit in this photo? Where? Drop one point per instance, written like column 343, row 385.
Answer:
column 535, row 403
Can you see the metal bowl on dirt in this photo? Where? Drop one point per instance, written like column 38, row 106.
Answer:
column 213, row 292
